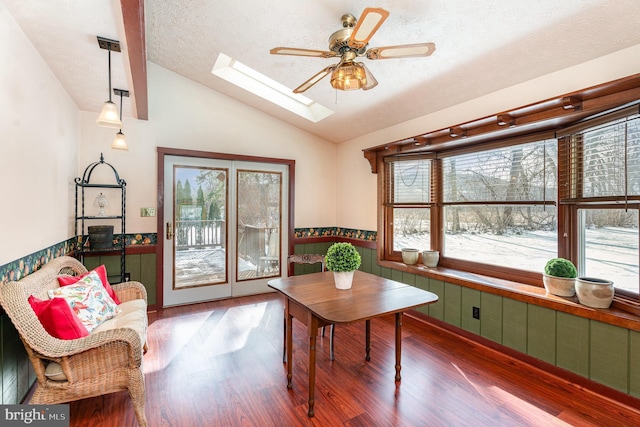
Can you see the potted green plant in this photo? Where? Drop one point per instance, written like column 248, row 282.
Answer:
column 343, row 259
column 559, row 277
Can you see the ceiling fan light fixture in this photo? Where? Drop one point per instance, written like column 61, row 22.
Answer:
column 349, row 76
column 351, row 42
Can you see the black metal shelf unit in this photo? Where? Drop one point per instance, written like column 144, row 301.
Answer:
column 82, row 246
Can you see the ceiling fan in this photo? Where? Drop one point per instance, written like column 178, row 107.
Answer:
column 348, row 44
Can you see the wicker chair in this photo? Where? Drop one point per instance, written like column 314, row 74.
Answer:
column 103, row 362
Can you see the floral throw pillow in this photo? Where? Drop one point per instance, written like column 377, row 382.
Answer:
column 102, row 273
column 89, row 301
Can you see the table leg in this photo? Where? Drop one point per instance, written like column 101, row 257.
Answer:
column 289, row 342
column 367, row 334
column 313, row 332
column 398, row 344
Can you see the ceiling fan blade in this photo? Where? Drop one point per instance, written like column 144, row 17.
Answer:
column 315, row 79
column 368, row 24
column 371, row 81
column 302, row 52
column 401, row 51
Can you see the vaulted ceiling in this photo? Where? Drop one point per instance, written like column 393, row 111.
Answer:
column 481, row 46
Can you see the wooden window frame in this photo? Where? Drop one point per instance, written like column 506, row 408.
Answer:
column 576, row 109
column 389, row 205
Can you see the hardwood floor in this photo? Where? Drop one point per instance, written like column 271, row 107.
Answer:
column 220, row 364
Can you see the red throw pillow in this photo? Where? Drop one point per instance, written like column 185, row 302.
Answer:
column 58, row 319
column 102, row 274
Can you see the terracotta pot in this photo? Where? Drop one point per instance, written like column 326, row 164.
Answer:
column 561, row 286
column 595, row 293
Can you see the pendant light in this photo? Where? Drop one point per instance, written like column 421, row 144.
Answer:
column 120, row 142
column 109, row 116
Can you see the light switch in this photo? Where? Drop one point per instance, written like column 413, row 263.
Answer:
column 147, row 211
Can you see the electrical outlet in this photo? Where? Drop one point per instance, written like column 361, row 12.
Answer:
column 476, row 312
column 147, row 212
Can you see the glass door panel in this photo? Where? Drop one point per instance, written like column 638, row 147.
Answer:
column 200, row 204
column 259, row 218
column 196, row 194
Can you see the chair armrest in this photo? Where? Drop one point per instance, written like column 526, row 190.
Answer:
column 131, row 290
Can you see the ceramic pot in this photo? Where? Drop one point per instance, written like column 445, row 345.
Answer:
column 595, row 293
column 561, row 286
column 430, row 258
column 410, row 255
column 343, row 279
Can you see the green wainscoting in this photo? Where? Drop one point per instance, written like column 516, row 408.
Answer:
column 604, row 353
column 572, row 351
column 140, row 267
column 17, row 371
column 514, row 324
column 601, row 352
column 491, row 315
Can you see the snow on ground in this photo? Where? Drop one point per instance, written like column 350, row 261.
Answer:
column 198, row 266
column 611, row 253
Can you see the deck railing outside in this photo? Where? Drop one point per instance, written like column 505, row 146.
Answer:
column 199, row 234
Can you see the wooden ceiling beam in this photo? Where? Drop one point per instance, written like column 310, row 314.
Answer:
column 134, row 28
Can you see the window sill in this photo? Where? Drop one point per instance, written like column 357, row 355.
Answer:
column 619, row 314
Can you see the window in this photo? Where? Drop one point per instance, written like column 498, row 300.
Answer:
column 504, row 207
column 608, row 242
column 499, row 205
column 602, row 182
column 408, row 204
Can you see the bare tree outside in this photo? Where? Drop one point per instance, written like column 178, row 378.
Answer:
column 500, row 206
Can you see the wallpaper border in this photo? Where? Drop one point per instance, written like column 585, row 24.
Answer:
column 16, row 270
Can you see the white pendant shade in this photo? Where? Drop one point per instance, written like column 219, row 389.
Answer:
column 109, row 116
column 120, row 142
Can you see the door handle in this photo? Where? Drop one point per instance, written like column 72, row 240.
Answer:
column 169, row 231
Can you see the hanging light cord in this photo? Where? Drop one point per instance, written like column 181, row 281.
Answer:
column 109, row 48
column 120, row 105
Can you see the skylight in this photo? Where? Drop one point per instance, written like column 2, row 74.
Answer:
column 250, row 80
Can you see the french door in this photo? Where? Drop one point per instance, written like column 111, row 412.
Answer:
column 225, row 227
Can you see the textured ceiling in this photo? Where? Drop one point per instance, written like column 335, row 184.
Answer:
column 481, row 46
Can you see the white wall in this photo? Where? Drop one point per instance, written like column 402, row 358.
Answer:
column 356, row 202
column 43, row 149
column 39, row 124
column 184, row 114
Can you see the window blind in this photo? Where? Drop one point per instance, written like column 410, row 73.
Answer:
column 603, row 163
column 408, row 181
column 520, row 173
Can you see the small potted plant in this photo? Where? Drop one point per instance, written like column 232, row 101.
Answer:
column 343, row 259
column 559, row 277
